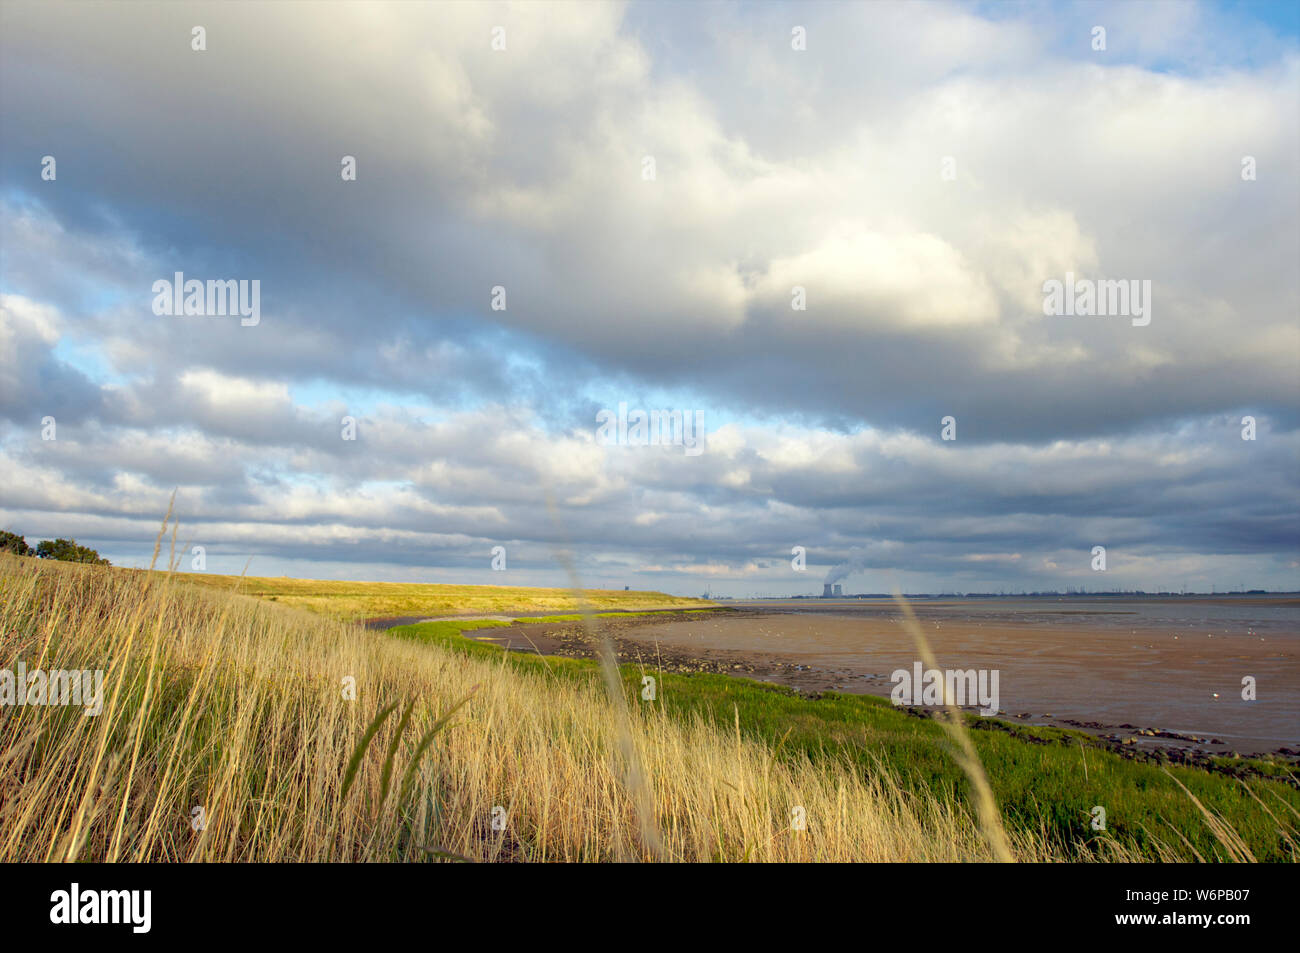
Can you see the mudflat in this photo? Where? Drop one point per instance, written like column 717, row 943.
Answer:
column 1107, row 674
column 1187, row 682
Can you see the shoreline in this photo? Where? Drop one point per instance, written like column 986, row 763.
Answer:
column 634, row 646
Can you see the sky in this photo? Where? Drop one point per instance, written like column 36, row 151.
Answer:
column 818, row 230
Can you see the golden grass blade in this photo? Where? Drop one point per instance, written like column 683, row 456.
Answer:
column 1223, row 832
column 1285, row 834
column 635, row 778
column 986, row 806
column 162, row 531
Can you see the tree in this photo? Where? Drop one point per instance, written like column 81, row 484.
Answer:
column 13, row 543
column 68, row 551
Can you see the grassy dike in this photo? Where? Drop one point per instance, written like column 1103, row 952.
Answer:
column 233, row 729
column 1047, row 781
column 352, row 601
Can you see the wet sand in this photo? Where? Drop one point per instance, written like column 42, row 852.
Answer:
column 1111, row 681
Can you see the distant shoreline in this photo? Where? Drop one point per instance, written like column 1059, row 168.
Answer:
column 1274, row 598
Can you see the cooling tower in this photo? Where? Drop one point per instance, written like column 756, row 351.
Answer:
column 826, row 591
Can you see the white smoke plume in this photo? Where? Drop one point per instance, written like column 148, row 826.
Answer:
column 857, row 562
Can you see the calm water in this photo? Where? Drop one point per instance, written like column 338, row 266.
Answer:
column 1227, row 615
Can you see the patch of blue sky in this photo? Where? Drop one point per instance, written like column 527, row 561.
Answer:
column 1281, row 16
column 382, row 487
column 1241, row 34
column 285, row 476
column 518, row 356
column 608, row 393
column 100, row 298
column 522, row 359
column 361, row 401
column 89, row 358
column 21, row 199
column 79, row 297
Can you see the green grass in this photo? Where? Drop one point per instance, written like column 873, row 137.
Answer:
column 1045, row 779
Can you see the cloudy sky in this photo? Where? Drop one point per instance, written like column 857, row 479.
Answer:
column 647, row 185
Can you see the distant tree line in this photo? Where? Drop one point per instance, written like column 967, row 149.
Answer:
column 67, row 550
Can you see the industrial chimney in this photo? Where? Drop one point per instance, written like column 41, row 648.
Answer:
column 839, row 590
column 826, row 591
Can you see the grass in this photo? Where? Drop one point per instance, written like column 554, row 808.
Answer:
column 1046, row 781
column 361, row 600
column 225, row 703
column 313, row 739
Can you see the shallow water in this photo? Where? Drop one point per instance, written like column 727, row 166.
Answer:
column 1162, row 664
column 1266, row 614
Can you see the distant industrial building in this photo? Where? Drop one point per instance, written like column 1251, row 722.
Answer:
column 839, row 590
column 826, row 591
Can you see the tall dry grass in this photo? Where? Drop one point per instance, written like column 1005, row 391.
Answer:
column 221, row 702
